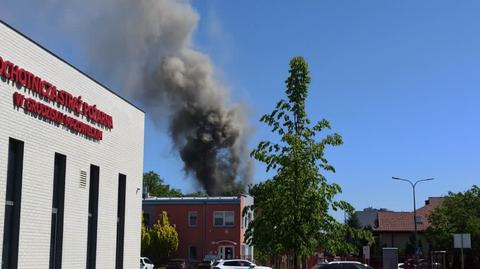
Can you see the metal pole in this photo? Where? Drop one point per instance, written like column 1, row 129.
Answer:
column 414, row 212
column 461, row 250
column 415, row 224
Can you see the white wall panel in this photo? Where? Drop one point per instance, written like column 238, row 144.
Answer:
column 120, row 151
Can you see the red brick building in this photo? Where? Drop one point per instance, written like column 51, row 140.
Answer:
column 207, row 226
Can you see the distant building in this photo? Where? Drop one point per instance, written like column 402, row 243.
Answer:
column 207, row 226
column 396, row 228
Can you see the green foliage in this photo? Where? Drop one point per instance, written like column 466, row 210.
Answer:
column 291, row 209
column 196, row 194
column 459, row 213
column 156, row 186
column 146, row 239
column 355, row 236
column 161, row 241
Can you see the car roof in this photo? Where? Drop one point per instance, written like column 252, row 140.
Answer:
column 335, row 262
column 234, row 260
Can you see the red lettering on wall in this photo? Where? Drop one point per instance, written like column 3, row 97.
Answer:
column 56, row 116
column 18, row 99
column 49, row 91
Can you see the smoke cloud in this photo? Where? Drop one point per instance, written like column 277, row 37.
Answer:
column 146, row 45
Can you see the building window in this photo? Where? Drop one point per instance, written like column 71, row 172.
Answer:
column 224, row 218
column 92, row 217
column 418, row 219
column 11, row 222
column 192, row 218
column 122, row 182
column 58, row 201
column 192, row 253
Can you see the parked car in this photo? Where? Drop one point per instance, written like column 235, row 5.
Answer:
column 320, row 265
column 236, row 264
column 346, row 265
column 204, row 265
column 145, row 263
column 177, row 264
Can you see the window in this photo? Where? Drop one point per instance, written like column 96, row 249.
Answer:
column 56, row 234
column 418, row 219
column 12, row 204
column 224, row 218
column 229, row 218
column 232, row 263
column 92, row 217
column 122, row 181
column 245, row 263
column 192, row 218
column 218, row 216
column 192, row 253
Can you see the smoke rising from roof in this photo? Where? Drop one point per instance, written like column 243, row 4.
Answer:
column 147, row 46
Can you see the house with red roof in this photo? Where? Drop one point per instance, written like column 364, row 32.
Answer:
column 394, row 229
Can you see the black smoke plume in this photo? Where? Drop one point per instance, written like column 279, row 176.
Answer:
column 146, row 46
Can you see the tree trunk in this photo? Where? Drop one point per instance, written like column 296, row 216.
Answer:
column 295, row 260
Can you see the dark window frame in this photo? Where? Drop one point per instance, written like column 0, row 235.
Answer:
column 190, row 256
column 224, row 214
column 58, row 206
column 92, row 217
column 12, row 216
column 122, row 184
column 190, row 215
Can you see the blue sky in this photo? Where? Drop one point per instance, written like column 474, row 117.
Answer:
column 399, row 80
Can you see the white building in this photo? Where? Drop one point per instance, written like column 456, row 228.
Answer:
column 71, row 163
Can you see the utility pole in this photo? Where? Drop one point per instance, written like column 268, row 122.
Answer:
column 415, row 236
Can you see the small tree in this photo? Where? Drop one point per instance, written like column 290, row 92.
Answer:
column 292, row 208
column 164, row 240
column 458, row 213
column 146, row 239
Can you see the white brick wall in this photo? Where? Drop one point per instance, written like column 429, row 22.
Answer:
column 120, row 151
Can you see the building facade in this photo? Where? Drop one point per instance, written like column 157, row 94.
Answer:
column 207, row 226
column 396, row 229
column 71, row 163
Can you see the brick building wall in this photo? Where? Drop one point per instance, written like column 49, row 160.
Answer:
column 205, row 236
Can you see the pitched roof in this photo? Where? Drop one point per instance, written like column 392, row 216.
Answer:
column 403, row 221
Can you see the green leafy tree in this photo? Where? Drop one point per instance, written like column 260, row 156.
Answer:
column 458, row 213
column 163, row 240
column 156, row 186
column 356, row 237
column 196, row 194
column 292, row 208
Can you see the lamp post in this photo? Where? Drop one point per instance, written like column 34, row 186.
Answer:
column 413, row 184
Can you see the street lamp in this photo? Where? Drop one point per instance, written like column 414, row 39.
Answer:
column 413, row 184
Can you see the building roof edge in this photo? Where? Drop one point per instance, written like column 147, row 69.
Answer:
column 69, row 64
